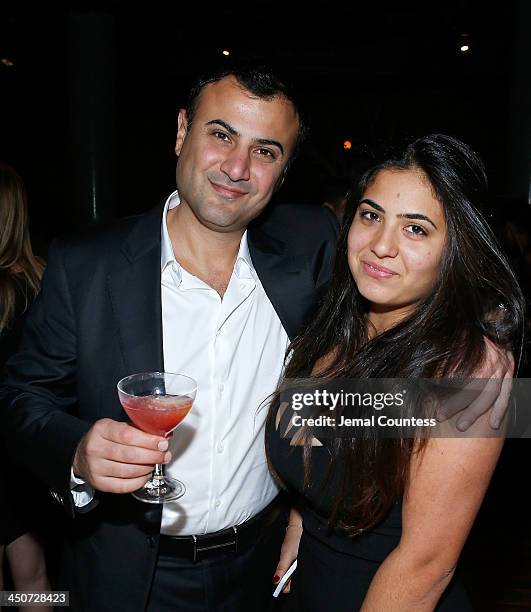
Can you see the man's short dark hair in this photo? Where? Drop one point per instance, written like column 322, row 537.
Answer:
column 258, row 80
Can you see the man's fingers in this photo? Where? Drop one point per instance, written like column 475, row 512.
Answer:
column 111, row 449
column 501, row 364
column 113, row 469
column 510, row 370
column 132, row 454
column 498, row 362
column 458, row 400
column 125, row 434
column 494, row 380
column 108, row 484
column 499, row 409
column 480, row 405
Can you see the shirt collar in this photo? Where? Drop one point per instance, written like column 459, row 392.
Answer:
column 243, row 267
column 166, row 251
column 244, row 264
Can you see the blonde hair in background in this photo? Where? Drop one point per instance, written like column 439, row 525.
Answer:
column 17, row 261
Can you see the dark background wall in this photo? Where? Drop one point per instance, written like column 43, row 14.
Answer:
column 88, row 108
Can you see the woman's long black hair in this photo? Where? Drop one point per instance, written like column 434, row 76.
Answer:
column 475, row 297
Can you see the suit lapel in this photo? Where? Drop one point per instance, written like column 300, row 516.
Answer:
column 135, row 292
column 134, row 287
column 286, row 279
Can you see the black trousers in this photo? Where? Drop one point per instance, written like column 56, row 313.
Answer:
column 233, row 582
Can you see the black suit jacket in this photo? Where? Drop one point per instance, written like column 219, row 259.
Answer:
column 98, row 319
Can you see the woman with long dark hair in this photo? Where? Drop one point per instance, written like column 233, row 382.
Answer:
column 420, row 289
column 20, row 269
column 20, row 275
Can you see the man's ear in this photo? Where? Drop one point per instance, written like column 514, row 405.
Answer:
column 182, row 130
column 280, row 180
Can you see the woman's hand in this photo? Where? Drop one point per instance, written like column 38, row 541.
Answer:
column 290, row 548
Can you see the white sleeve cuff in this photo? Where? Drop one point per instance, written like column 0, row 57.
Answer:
column 82, row 493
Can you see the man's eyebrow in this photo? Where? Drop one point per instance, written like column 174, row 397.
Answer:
column 273, row 143
column 231, row 130
column 412, row 216
column 224, row 125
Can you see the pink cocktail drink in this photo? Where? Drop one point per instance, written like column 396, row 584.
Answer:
column 156, row 402
column 157, row 414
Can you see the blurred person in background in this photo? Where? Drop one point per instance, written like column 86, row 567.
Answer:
column 20, row 275
column 334, row 195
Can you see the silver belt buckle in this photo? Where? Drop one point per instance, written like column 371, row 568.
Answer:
column 198, row 549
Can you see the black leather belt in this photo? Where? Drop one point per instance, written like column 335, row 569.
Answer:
column 230, row 540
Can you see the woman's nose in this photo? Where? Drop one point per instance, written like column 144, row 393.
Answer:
column 385, row 243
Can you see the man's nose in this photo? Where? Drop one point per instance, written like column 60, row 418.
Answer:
column 237, row 165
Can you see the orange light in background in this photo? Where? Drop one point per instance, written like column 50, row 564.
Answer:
column 226, row 52
column 464, row 48
column 347, row 145
column 6, row 61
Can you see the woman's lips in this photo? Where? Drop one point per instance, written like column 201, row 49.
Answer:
column 376, row 271
column 227, row 192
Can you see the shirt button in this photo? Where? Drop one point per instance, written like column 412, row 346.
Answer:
column 218, row 503
column 220, row 388
column 221, row 447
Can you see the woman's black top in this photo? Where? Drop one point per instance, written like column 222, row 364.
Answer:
column 317, row 501
column 335, row 569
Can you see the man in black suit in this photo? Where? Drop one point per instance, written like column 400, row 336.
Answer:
column 206, row 285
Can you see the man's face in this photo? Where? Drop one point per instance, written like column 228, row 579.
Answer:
column 233, row 156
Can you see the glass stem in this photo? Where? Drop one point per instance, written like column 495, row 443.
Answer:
column 158, row 475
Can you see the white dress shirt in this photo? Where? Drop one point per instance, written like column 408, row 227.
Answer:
column 234, row 348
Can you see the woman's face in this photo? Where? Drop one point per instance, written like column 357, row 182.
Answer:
column 396, row 241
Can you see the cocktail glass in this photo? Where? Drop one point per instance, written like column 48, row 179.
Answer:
column 157, row 402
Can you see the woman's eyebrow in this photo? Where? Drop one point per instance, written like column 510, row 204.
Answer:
column 417, row 217
column 373, row 204
column 413, row 216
